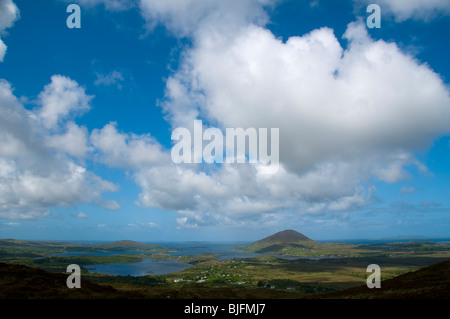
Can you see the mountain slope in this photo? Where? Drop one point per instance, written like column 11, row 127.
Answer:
column 281, row 242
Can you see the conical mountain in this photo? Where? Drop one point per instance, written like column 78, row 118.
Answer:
column 279, row 242
column 286, row 237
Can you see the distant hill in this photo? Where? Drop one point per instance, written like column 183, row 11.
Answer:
column 12, row 249
column 123, row 245
column 432, row 282
column 412, row 238
column 280, row 242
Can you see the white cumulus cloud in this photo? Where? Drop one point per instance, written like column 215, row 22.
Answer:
column 124, row 150
column 82, row 215
column 346, row 116
column 36, row 170
column 60, row 99
column 113, row 78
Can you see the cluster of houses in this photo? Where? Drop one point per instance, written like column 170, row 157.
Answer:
column 201, row 280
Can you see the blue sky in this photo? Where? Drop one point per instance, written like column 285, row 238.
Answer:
column 87, row 116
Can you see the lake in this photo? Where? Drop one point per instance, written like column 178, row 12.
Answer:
column 148, row 266
column 151, row 266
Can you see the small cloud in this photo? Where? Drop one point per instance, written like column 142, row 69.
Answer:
column 146, row 225
column 11, row 224
column 314, row 4
column 82, row 215
column 110, row 204
column 407, row 190
column 112, row 78
column 143, row 225
column 428, row 204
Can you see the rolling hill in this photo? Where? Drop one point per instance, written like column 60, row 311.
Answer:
column 11, row 249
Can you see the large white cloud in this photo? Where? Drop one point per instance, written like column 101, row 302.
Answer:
column 346, row 116
column 370, row 100
column 36, row 168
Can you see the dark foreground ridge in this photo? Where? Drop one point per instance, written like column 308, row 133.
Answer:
column 432, row 282
column 23, row 282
